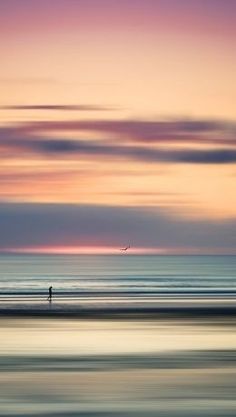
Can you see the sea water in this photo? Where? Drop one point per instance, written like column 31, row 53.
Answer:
column 72, row 275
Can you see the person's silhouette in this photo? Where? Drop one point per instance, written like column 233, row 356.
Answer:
column 49, row 294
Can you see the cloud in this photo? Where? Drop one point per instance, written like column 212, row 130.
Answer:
column 57, row 107
column 151, row 131
column 138, row 140
column 83, row 148
column 199, row 131
column 215, row 156
column 24, row 225
column 19, row 177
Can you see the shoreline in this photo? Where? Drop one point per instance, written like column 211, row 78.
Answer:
column 125, row 313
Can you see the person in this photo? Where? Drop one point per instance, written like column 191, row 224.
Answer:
column 50, row 294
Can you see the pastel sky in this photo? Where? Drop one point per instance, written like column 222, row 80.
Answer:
column 118, row 126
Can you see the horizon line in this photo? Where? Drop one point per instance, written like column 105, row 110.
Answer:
column 116, row 251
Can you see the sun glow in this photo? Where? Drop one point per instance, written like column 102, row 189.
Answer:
column 85, row 250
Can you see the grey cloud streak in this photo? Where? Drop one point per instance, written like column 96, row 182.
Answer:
column 57, row 107
column 218, row 156
column 27, row 138
column 75, row 148
column 43, row 224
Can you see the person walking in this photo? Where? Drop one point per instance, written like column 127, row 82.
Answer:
column 49, row 294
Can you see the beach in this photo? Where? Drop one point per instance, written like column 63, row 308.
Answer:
column 69, row 367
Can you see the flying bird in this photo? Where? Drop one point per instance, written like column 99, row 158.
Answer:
column 125, row 249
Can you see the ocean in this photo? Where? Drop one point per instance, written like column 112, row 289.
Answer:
column 130, row 275
column 118, row 281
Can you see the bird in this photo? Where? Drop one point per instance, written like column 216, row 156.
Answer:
column 125, row 249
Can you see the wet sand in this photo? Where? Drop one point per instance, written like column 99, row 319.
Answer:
column 68, row 367
column 119, row 306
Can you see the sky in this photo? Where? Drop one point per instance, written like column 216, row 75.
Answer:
column 118, row 126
